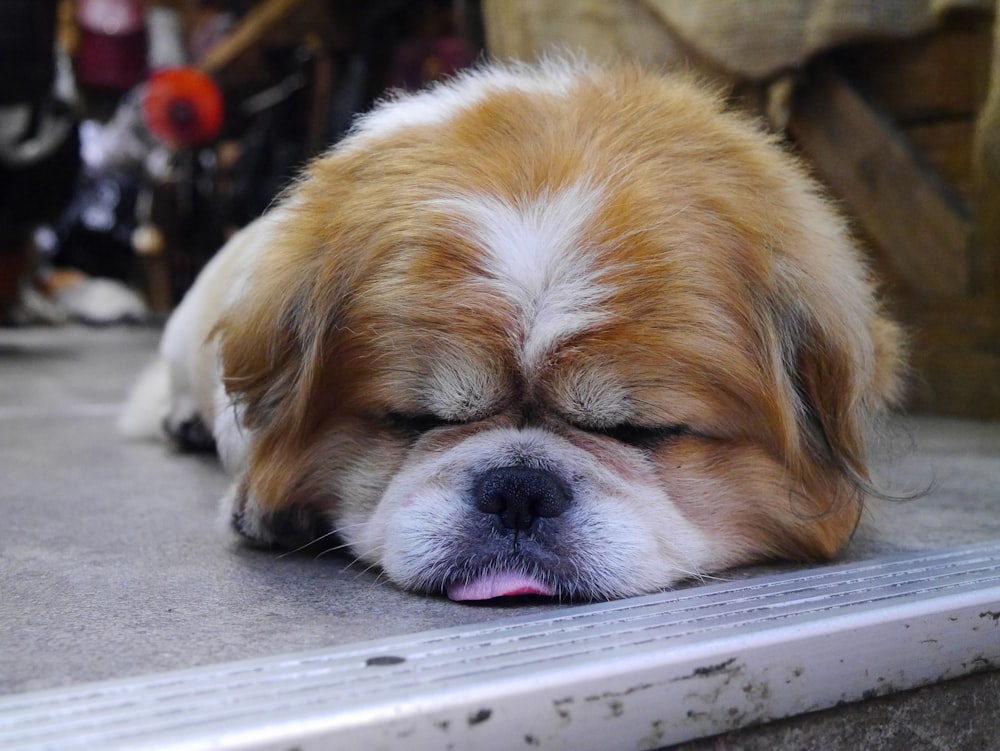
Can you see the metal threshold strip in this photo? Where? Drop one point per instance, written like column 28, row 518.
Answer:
column 640, row 673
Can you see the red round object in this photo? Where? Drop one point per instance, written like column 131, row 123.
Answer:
column 182, row 107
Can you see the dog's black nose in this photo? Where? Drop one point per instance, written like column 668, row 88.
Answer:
column 519, row 495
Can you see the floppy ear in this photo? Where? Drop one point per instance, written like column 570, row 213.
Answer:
column 275, row 341
column 274, row 335
column 261, row 343
column 286, row 326
column 846, row 380
column 843, row 356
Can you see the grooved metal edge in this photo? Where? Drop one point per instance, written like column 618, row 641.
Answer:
column 638, row 673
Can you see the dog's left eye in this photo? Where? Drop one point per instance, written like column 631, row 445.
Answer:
column 418, row 423
column 643, row 436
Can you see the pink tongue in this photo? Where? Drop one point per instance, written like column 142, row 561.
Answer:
column 498, row 585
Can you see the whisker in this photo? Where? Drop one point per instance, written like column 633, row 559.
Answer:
column 305, row 545
column 365, row 570
column 336, row 531
column 334, row 549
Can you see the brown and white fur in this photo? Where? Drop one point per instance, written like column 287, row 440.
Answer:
column 554, row 329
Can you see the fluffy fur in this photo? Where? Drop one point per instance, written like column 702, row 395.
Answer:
column 559, row 329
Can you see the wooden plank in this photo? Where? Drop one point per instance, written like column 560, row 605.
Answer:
column 947, row 147
column 259, row 21
column 960, row 383
column 918, row 223
column 955, row 356
column 942, row 74
column 986, row 171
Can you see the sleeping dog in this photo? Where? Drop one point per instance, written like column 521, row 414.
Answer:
column 556, row 329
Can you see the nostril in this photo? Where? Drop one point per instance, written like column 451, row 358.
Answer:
column 520, row 495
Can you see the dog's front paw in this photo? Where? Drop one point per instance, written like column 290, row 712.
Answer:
column 294, row 527
column 189, row 433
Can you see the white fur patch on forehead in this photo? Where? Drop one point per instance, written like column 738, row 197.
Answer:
column 539, row 257
column 441, row 102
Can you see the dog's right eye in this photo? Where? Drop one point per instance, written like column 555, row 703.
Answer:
column 418, row 423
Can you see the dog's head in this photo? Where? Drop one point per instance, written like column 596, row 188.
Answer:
column 557, row 330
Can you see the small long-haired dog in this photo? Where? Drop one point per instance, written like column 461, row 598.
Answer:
column 558, row 329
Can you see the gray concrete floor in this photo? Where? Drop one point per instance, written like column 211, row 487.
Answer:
column 114, row 563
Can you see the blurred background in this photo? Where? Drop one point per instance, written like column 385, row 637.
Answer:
column 137, row 135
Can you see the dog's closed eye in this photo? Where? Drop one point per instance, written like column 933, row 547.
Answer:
column 643, row 436
column 418, row 423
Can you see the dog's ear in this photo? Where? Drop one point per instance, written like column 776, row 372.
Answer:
column 843, row 358
column 845, row 381
column 277, row 343
column 262, row 341
column 278, row 336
